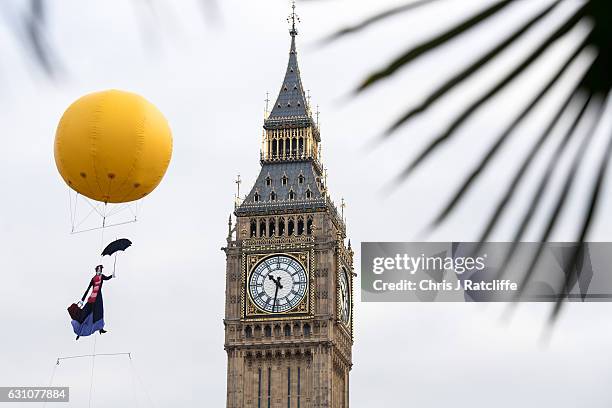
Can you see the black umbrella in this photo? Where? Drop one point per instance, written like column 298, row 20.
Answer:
column 118, row 245
column 115, row 246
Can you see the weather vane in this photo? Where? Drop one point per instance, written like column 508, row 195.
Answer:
column 293, row 17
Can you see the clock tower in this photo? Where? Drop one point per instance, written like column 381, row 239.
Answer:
column 289, row 277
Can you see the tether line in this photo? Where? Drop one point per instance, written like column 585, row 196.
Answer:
column 96, row 207
column 70, row 209
column 83, row 220
column 137, row 375
column 51, row 380
column 92, row 355
column 93, row 364
column 107, row 226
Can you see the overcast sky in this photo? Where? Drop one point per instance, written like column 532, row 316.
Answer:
column 210, row 79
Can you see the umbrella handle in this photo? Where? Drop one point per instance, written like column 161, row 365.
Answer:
column 114, row 265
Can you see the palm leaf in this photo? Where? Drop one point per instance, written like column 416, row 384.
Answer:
column 414, row 53
column 376, row 18
column 504, row 137
column 562, row 198
column 501, row 84
column 31, row 29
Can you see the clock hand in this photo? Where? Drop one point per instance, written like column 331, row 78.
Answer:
column 275, row 294
column 276, row 281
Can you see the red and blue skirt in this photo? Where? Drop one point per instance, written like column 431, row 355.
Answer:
column 91, row 319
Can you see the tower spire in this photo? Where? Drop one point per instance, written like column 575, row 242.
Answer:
column 290, row 132
column 292, row 19
column 291, row 103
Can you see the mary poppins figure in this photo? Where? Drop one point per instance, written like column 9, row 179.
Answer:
column 92, row 315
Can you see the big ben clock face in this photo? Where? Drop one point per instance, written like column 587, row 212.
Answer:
column 345, row 298
column 278, row 284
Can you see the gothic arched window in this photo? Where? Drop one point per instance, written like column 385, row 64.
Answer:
column 271, row 227
column 301, row 179
column 268, row 181
column 262, row 228
column 300, row 226
column 274, row 148
column 290, row 227
column 253, row 228
column 309, row 226
column 248, row 332
column 291, row 195
column 256, row 197
column 308, row 193
column 301, row 146
column 285, row 179
column 268, row 331
column 281, row 227
column 287, row 330
column 294, row 147
column 306, row 329
column 272, row 196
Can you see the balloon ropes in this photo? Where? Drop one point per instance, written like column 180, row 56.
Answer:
column 112, row 148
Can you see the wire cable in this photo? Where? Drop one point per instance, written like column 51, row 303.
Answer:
column 52, row 378
column 93, row 365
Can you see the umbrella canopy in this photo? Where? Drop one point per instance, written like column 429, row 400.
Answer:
column 118, row 245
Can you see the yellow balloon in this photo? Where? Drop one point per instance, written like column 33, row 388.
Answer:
column 113, row 146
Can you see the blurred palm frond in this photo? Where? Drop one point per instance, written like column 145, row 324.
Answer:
column 589, row 95
column 376, row 18
column 35, row 25
column 30, row 24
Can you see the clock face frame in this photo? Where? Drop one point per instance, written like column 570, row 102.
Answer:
column 277, row 284
column 345, row 298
